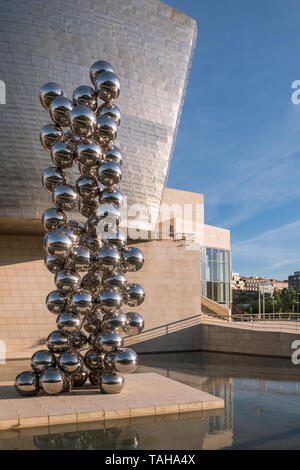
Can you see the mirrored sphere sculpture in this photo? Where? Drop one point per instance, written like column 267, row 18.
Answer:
column 90, row 258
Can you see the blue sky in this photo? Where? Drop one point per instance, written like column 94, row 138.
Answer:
column 241, row 131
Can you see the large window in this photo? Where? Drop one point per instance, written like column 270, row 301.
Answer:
column 216, row 275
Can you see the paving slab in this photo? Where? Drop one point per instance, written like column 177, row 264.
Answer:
column 144, row 394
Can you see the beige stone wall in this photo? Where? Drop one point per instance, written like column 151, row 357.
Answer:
column 170, row 277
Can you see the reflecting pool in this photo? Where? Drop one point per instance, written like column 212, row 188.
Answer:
column 262, row 409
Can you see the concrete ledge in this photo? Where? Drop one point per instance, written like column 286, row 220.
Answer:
column 144, row 394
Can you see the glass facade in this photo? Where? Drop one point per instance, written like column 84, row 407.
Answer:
column 215, row 268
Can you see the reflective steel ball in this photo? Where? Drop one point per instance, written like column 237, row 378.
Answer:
column 110, row 301
column 108, row 215
column 69, row 322
column 91, row 241
column 108, row 259
column 53, row 264
column 79, row 378
column 125, row 361
column 135, row 295
column 76, row 227
column 53, row 176
column 109, row 173
column 112, row 111
column 86, row 96
column 70, row 233
column 134, row 324
column 87, row 187
column 67, row 280
column 113, row 195
column 27, row 384
column 80, row 258
column 108, row 86
column 72, row 139
column 58, row 244
column 49, row 92
column 94, row 377
column 115, row 281
column 58, row 341
column 53, row 381
column 114, row 154
column 41, row 360
column 49, row 134
column 78, row 339
column 53, row 218
column 87, row 208
column 63, row 155
column 56, row 302
column 60, row 109
column 92, row 281
column 65, row 196
column 93, row 359
column 99, row 67
column 111, row 382
column 106, row 131
column 110, row 342
column 82, row 302
column 116, row 238
column 133, row 258
column 82, row 121
column 70, row 361
column 116, row 322
column 93, row 323
column 89, row 153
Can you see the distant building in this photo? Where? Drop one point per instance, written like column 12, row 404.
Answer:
column 279, row 285
column 294, row 280
column 252, row 284
column 236, row 282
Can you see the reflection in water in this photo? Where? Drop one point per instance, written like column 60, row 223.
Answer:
column 262, row 398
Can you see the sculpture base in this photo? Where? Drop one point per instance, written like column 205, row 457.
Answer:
column 144, row 394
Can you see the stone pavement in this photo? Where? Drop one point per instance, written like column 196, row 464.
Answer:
column 144, row 394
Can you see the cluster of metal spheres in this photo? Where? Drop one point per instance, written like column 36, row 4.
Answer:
column 91, row 286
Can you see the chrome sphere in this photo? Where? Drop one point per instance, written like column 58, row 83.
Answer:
column 110, row 173
column 110, row 342
column 94, row 377
column 82, row 121
column 108, row 259
column 92, row 281
column 60, row 109
column 58, row 244
column 49, row 134
column 89, row 153
column 116, row 238
column 93, row 323
column 58, row 341
column 87, row 208
column 65, row 196
column 53, row 264
column 82, row 302
column 41, row 360
column 135, row 295
column 53, row 381
column 106, row 131
column 112, row 111
column 99, row 67
column 69, row 322
column 110, row 301
column 87, row 187
column 78, row 339
column 49, row 92
column 125, row 361
column 91, row 241
column 53, row 176
column 85, row 95
column 79, row 378
column 70, row 362
column 67, row 280
column 134, row 324
column 76, row 227
column 108, row 214
column 108, row 86
column 27, row 383
column 70, row 233
column 133, row 258
column 72, row 139
column 115, row 281
column 93, row 359
column 114, row 154
column 113, row 195
column 111, row 382
column 56, row 302
column 63, row 155
column 116, row 323
column 53, row 218
column 80, row 258
column 109, row 361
